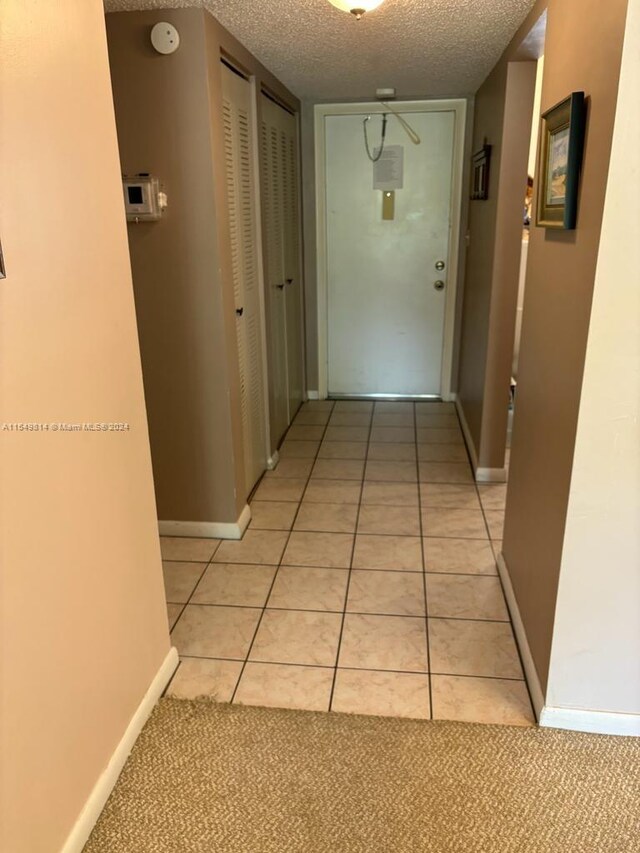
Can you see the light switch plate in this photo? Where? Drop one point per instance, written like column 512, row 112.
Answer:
column 388, row 204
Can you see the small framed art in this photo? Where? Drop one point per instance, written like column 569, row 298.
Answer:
column 481, row 164
column 562, row 131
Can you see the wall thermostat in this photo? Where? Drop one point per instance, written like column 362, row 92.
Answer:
column 165, row 37
column 143, row 200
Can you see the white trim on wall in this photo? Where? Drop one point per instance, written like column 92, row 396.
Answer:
column 594, row 722
column 208, row 529
column 549, row 716
column 482, row 475
column 491, row 475
column 273, row 460
column 466, row 433
column 98, row 797
column 530, row 671
column 321, row 111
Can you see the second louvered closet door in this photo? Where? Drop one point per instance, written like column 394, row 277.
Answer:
column 240, row 177
column 281, row 222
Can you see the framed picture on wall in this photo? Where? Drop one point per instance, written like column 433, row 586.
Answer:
column 562, row 130
column 481, row 163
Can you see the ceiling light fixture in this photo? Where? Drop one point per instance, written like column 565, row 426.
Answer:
column 356, row 7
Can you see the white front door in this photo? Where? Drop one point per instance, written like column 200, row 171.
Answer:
column 385, row 311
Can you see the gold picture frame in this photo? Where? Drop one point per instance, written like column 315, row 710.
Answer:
column 562, row 133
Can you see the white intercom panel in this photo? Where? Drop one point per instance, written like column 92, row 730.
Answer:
column 143, row 200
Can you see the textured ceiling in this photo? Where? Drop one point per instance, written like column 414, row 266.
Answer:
column 424, row 48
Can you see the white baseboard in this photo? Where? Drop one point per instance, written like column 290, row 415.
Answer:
column 491, row 475
column 595, row 722
column 482, row 475
column 573, row 719
column 272, row 461
column 313, row 395
column 102, row 789
column 207, row 529
column 467, row 434
column 530, row 672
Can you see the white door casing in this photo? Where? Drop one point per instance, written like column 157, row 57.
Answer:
column 274, row 276
column 382, row 327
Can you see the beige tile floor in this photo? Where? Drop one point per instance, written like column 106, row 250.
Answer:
column 365, row 583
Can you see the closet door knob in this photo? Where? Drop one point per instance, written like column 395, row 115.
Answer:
column 280, row 286
column 289, row 281
column 239, row 312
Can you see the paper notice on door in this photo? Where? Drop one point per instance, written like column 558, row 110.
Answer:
column 388, row 171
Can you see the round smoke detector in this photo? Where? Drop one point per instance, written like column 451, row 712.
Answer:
column 165, row 37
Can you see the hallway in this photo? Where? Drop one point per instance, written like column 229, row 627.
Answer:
column 196, row 502
column 366, row 582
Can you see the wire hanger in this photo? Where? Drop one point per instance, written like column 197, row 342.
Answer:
column 375, row 157
column 413, row 136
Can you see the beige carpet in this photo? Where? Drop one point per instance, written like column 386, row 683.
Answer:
column 217, row 778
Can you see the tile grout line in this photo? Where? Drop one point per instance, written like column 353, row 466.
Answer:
column 343, row 569
column 351, row 612
column 510, row 622
column 381, row 535
column 255, row 632
column 193, row 592
column 361, row 669
column 424, row 570
column 356, row 568
column 284, row 550
column 422, row 543
column 353, row 551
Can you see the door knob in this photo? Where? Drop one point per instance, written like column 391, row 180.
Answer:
column 239, row 312
column 279, row 286
column 289, row 281
column 439, row 265
column 439, row 285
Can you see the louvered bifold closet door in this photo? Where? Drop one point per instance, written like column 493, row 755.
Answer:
column 293, row 278
column 273, row 226
column 240, row 175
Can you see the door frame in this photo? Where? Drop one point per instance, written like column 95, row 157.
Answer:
column 459, row 107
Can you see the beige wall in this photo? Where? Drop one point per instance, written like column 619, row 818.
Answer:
column 162, row 113
column 167, row 110
column 489, row 107
column 594, row 660
column 516, row 138
column 582, row 52
column 84, row 627
column 503, row 118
